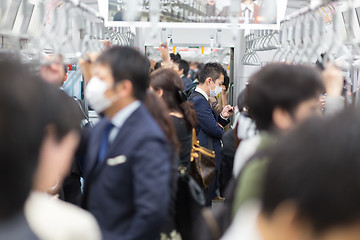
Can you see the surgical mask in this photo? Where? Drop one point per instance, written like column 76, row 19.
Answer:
column 216, row 91
column 95, row 94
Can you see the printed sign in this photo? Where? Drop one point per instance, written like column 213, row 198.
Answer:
column 173, row 13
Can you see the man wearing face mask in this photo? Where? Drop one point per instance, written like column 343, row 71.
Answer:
column 126, row 156
column 211, row 125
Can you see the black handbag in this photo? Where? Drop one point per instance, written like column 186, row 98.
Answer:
column 203, row 163
column 189, row 203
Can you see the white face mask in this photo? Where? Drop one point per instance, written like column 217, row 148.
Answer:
column 95, row 94
column 216, row 91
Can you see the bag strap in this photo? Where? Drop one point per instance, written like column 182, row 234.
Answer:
column 194, row 138
column 86, row 117
column 236, row 137
column 194, row 94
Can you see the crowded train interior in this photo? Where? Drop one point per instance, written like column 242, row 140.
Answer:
column 179, row 120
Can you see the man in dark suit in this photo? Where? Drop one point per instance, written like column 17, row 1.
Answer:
column 211, row 126
column 127, row 159
column 182, row 68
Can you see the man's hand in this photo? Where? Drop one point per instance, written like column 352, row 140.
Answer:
column 333, row 80
column 152, row 63
column 87, row 65
column 165, row 56
column 322, row 101
column 228, row 111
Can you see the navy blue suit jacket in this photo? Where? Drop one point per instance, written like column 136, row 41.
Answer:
column 129, row 192
column 208, row 124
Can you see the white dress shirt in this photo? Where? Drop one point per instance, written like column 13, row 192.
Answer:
column 199, row 90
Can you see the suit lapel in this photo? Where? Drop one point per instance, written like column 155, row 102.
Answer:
column 116, row 147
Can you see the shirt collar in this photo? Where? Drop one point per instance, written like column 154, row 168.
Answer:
column 119, row 119
column 199, row 90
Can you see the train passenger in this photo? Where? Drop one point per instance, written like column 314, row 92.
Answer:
column 243, row 129
column 280, row 97
column 265, row 101
column 182, row 68
column 160, row 112
column 311, row 187
column 167, row 84
column 192, row 71
column 21, row 127
column 49, row 217
column 40, row 146
column 175, row 57
column 211, row 125
column 218, row 102
column 127, row 157
column 246, row 132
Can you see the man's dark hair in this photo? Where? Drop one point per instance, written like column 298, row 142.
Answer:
column 200, row 67
column 184, row 65
column 226, row 82
column 172, row 85
column 280, row 85
column 241, row 100
column 317, row 166
column 157, row 65
column 24, row 115
column 128, row 64
column 21, row 132
column 226, row 78
column 175, row 57
column 64, row 113
column 212, row 70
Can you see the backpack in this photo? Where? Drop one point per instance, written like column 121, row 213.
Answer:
column 189, row 92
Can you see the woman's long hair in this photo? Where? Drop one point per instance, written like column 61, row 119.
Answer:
column 172, row 86
column 159, row 111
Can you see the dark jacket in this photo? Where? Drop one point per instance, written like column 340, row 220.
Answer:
column 188, row 83
column 184, row 135
column 128, row 193
column 208, row 131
